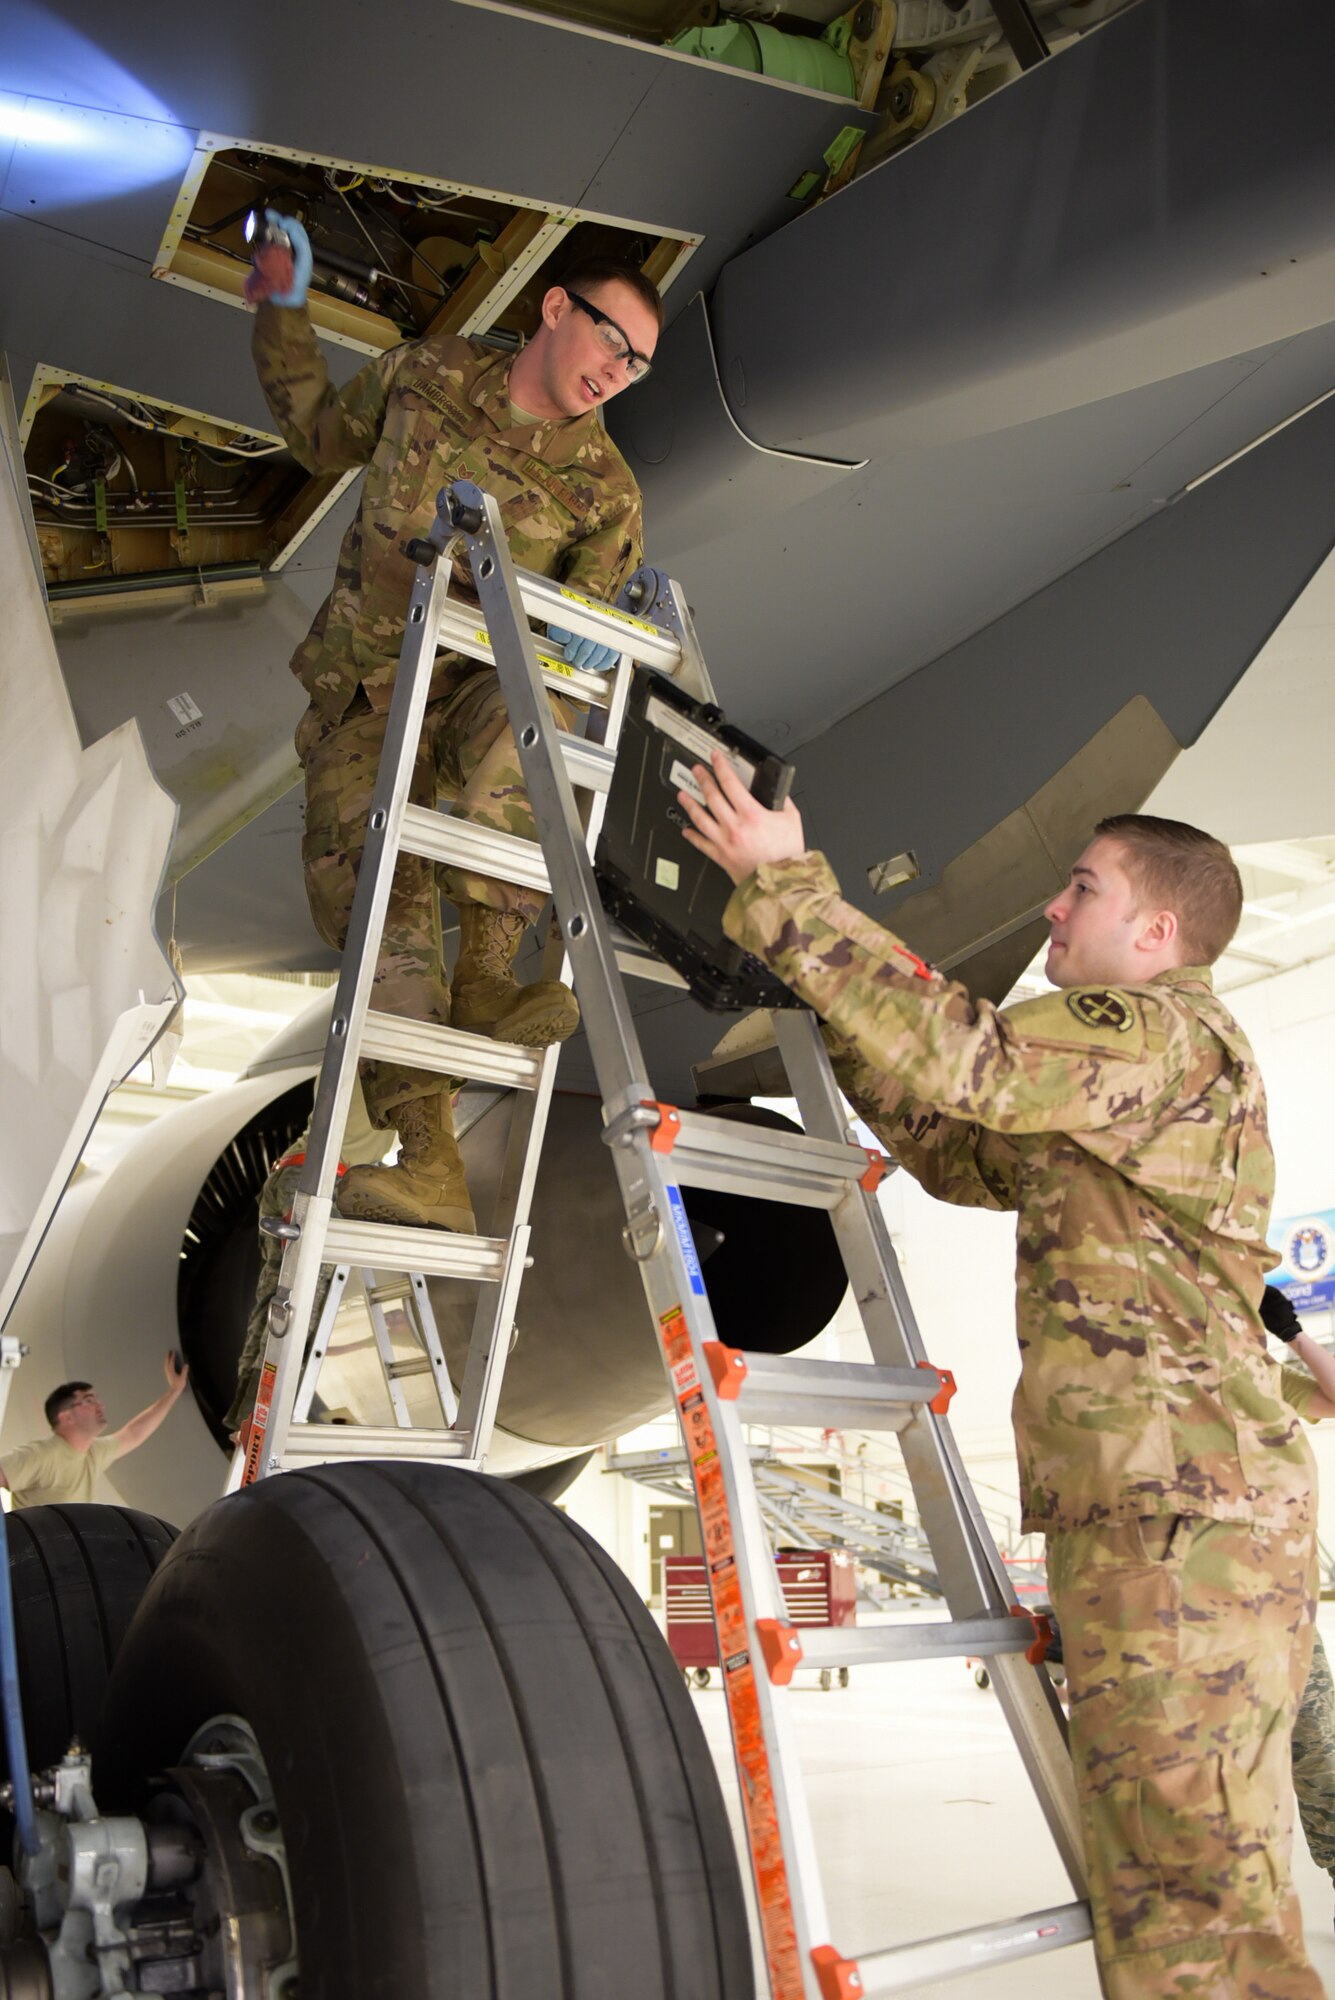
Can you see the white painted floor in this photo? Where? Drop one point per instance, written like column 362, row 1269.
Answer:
column 925, row 1822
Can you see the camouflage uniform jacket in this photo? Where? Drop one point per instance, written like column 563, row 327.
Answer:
column 418, row 417
column 1128, row 1130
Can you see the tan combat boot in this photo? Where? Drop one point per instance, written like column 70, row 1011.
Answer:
column 426, row 1188
column 484, row 995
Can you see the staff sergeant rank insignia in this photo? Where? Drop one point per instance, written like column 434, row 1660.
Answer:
column 1100, row 1009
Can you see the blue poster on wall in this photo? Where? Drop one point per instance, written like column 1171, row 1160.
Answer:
column 1306, row 1243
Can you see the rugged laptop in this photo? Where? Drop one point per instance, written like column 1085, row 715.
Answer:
column 652, row 881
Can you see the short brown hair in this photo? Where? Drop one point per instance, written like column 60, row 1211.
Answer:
column 591, row 271
column 1177, row 867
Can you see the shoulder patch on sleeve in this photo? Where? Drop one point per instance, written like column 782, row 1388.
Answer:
column 1102, row 1007
column 1092, row 1017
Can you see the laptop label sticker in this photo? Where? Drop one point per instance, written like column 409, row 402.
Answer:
column 698, row 741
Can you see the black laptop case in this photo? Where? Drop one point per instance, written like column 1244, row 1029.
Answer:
column 653, row 883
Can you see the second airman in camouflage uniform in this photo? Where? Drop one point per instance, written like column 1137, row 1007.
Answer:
column 427, row 413
column 1314, row 1725
column 1125, row 1124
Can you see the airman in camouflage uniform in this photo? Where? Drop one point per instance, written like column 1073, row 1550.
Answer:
column 432, row 411
column 1314, row 1727
column 1314, row 1760
column 1126, row 1127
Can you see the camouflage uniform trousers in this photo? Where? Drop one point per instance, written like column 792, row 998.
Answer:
column 1187, row 1644
column 276, row 1199
column 1314, row 1760
column 467, row 754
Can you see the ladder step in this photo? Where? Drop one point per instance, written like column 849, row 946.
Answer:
column 459, row 843
column 773, row 1166
column 380, row 1246
column 556, row 604
column 450, row 1051
column 390, row 1295
column 832, row 1394
column 462, row 631
column 330, row 1444
column 638, row 962
column 904, row 1967
column 589, row 765
column 942, row 1639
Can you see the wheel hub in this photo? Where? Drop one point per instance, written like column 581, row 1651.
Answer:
column 194, row 1897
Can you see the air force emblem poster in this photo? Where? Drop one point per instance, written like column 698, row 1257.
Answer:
column 1306, row 1244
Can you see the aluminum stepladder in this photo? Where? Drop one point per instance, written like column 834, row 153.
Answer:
column 658, row 1149
column 282, row 1435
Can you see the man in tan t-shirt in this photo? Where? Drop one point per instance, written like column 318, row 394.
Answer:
column 67, row 1465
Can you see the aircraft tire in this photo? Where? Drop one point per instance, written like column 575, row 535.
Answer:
column 488, row 1775
column 77, row 1574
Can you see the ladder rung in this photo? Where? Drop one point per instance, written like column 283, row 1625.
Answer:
column 556, row 603
column 399, row 1371
column 774, row 1166
column 328, row 1444
column 588, row 764
column 832, row 1394
column 636, row 960
column 906, row 1966
column 942, row 1639
column 462, row 631
column 382, row 1246
column 450, row 1052
column 458, row 842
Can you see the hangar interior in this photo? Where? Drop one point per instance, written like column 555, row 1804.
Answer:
column 988, row 438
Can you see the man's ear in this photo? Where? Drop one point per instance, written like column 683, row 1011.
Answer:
column 555, row 306
column 1160, row 930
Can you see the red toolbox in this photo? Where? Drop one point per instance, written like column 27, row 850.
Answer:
column 819, row 1588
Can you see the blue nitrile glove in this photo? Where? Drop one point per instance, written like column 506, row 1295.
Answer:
column 586, row 653
column 301, row 259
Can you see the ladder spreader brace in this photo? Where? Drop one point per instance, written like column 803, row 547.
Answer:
column 657, row 1150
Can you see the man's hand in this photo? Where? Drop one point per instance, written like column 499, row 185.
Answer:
column 586, row 653
column 175, row 1370
column 281, row 276
column 732, row 829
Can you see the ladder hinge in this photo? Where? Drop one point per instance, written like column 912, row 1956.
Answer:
column 940, row 1402
column 668, row 1129
column 878, row 1166
column 780, row 1648
column 283, row 1227
column 1042, row 1624
column 838, row 1978
column 727, row 1365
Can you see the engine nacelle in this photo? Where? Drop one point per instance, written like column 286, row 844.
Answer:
column 161, row 1251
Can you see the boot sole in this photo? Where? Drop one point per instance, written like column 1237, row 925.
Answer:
column 373, row 1208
